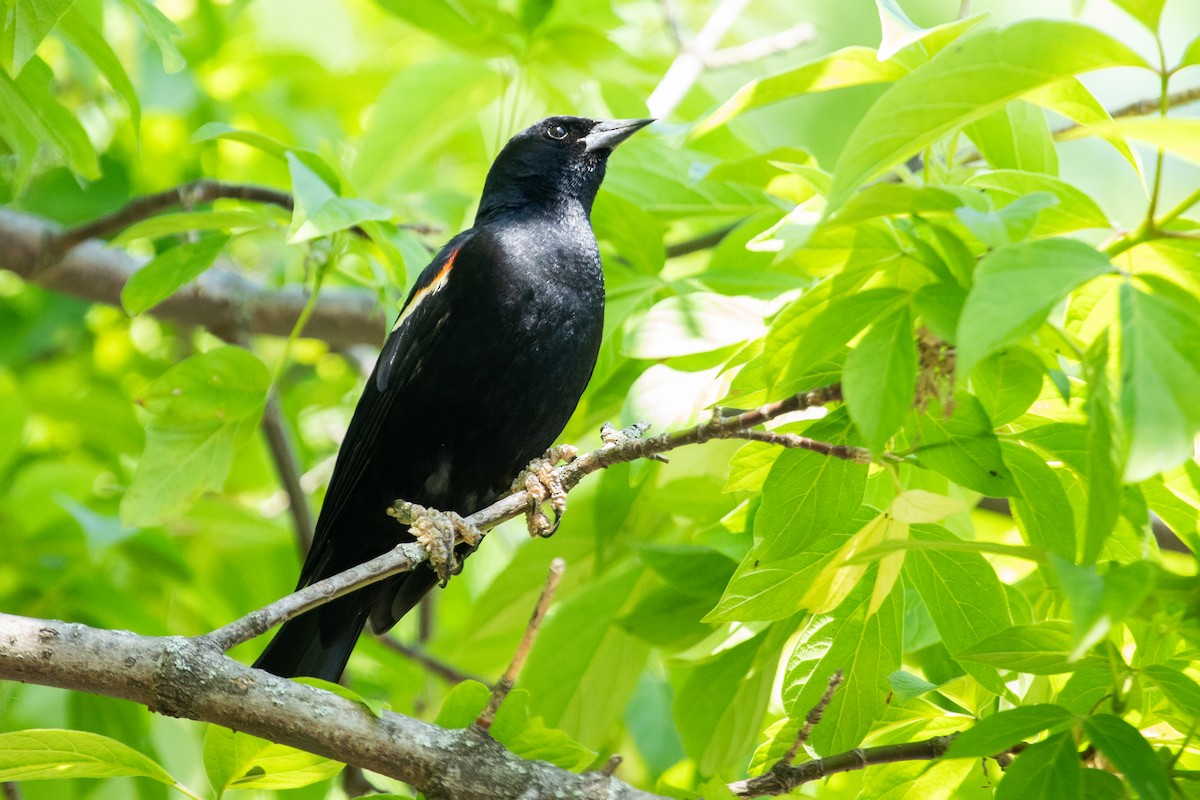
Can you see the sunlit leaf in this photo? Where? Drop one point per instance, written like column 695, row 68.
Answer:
column 162, row 275
column 200, row 410
column 965, row 83
column 1129, row 752
column 1015, row 288
column 44, row 753
column 319, row 211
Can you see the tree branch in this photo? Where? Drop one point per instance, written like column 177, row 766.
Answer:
column 189, row 194
column 786, row 779
column 187, row 678
column 406, row 556
column 220, row 300
column 685, row 70
column 789, row 39
column 509, row 678
column 287, row 464
column 446, row 672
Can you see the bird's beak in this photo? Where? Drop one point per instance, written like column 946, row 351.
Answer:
column 607, row 134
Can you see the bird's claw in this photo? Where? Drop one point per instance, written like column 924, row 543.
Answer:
column 541, row 481
column 438, row 532
column 611, row 437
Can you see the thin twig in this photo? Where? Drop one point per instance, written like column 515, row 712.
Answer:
column 704, row 241
column 187, row 195
column 811, row 720
column 406, row 556
column 674, row 27
column 782, row 781
column 794, row 441
column 685, row 70
column 140, row 208
column 610, row 767
column 781, row 42
column 447, row 672
column 287, row 464
column 508, row 680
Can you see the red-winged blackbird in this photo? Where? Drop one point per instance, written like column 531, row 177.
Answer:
column 481, row 372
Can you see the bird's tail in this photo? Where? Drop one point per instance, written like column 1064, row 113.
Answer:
column 317, row 643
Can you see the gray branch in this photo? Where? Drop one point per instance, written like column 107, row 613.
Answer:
column 220, row 300
column 186, row 678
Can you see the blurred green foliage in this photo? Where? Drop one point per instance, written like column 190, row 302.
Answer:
column 1017, row 315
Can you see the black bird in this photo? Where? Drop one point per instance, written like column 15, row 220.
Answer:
column 481, row 372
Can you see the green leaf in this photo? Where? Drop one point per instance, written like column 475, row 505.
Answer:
column 807, row 495
column 939, row 306
column 830, row 329
column 750, row 465
column 1130, row 753
column 1010, row 224
column 850, row 66
column 1099, row 602
column 41, row 754
column 1015, row 288
column 963, row 447
column 161, row 276
column 528, row 736
column 1074, row 210
column 29, row 105
column 582, row 640
column 188, row 221
column 32, row 21
column 163, row 30
column 880, row 378
column 1160, row 376
column 463, row 704
column 200, row 410
column 1103, row 457
column 1180, row 690
column 93, row 44
column 866, row 648
column 1191, row 55
column 1007, row 383
column 810, row 506
column 719, row 707
column 273, row 147
column 695, row 323
column 943, row 578
column 1147, row 12
column 997, row 733
column 319, row 211
column 240, row 761
column 425, row 102
column 1016, row 136
column 896, row 199
column 1043, row 511
column 690, row 569
column 965, row 83
column 1047, row 770
column 1071, row 99
column 1043, row 648
column 1178, row 136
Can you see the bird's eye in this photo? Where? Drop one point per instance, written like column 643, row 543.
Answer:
column 557, row 132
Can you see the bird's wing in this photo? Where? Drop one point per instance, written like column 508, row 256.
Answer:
column 416, row 328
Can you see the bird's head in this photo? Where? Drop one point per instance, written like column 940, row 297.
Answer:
column 552, row 163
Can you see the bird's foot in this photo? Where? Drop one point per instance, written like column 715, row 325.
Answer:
column 541, row 480
column 438, row 532
column 611, row 437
